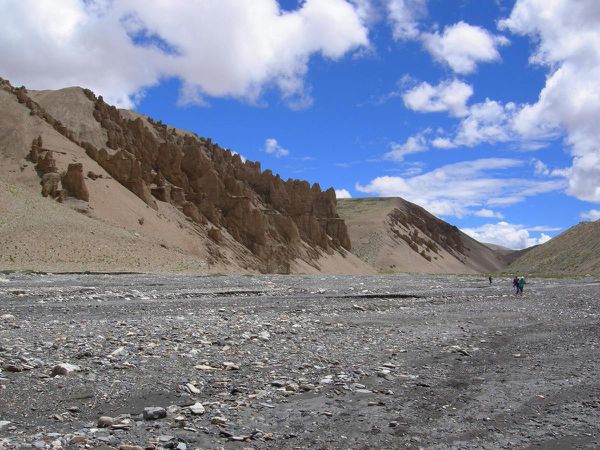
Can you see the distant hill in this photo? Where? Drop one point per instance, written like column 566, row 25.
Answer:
column 394, row 235
column 508, row 253
column 573, row 252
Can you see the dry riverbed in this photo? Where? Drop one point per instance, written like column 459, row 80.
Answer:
column 242, row 362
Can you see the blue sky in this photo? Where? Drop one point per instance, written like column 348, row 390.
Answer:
column 482, row 111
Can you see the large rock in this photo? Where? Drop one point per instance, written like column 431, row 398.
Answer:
column 154, row 413
column 46, row 163
column 74, row 184
column 51, row 185
column 64, row 369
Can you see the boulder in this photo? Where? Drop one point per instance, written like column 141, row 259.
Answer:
column 64, row 369
column 73, row 182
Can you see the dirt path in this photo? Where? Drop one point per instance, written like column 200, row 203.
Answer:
column 299, row 362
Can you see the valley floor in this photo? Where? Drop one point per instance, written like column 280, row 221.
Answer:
column 299, row 362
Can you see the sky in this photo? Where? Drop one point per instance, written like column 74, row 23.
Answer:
column 484, row 112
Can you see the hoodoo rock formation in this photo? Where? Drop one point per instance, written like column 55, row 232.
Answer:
column 73, row 182
column 258, row 209
column 276, row 221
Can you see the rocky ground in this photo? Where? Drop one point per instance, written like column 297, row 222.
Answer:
column 298, row 362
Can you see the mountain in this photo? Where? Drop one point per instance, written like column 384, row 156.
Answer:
column 86, row 186
column 508, row 254
column 394, row 235
column 574, row 252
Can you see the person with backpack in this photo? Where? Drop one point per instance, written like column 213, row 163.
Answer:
column 520, row 285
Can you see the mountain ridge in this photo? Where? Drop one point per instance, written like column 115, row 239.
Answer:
column 395, row 235
column 228, row 213
column 574, row 252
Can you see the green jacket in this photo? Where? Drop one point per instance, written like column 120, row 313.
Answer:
column 521, row 283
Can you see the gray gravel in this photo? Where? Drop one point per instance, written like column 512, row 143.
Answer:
column 184, row 362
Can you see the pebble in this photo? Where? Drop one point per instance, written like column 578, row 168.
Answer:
column 105, row 422
column 154, row 412
column 264, row 336
column 130, row 447
column 292, row 387
column 231, row 366
column 64, row 369
column 197, row 409
column 192, row 389
column 218, row 420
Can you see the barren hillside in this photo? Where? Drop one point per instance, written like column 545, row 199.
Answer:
column 86, row 186
column 394, row 235
column 574, row 252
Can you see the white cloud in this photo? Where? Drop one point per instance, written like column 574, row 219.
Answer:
column 272, row 147
column 224, row 48
column 484, row 212
column 592, row 214
column 462, row 46
column 568, row 44
column 506, row 234
column 414, row 144
column 449, row 95
column 342, row 193
column 404, row 16
column 540, row 168
column 457, row 189
column 543, row 228
column 488, row 121
column 443, row 143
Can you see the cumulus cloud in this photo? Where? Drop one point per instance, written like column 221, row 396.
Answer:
column 460, row 188
column 484, row 212
column 592, row 214
column 404, row 16
column 272, row 147
column 225, row 48
column 449, row 95
column 443, row 143
column 488, row 122
column 342, row 193
column 462, row 46
column 540, row 168
column 414, row 144
column 506, row 234
column 568, row 44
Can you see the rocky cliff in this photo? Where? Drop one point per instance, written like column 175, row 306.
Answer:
column 275, row 222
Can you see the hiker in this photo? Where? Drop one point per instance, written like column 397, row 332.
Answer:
column 490, row 278
column 520, row 285
column 515, row 283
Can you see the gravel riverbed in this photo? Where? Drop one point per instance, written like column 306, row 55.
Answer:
column 406, row 361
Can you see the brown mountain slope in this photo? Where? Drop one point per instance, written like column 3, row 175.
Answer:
column 573, row 252
column 180, row 202
column 394, row 235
